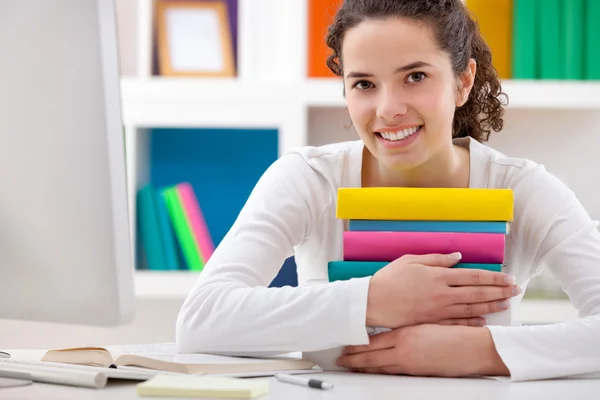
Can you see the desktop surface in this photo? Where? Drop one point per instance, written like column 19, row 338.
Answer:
column 348, row 386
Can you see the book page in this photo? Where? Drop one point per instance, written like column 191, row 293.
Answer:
column 143, row 349
column 199, row 358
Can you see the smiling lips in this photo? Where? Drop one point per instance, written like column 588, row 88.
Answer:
column 400, row 134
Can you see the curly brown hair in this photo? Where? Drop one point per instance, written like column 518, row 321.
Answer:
column 457, row 33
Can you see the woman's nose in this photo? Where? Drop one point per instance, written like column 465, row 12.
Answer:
column 390, row 105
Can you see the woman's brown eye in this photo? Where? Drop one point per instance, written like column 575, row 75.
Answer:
column 417, row 76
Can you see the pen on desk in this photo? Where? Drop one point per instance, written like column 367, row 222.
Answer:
column 299, row 380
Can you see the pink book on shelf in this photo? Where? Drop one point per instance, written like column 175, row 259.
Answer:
column 387, row 246
column 196, row 220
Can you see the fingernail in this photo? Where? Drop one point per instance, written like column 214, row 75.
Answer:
column 339, row 362
column 516, row 290
column 455, row 256
column 509, row 279
column 504, row 304
column 482, row 322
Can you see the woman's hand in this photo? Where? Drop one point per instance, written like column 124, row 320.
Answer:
column 427, row 350
column 408, row 291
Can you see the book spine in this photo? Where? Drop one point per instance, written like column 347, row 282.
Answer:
column 592, row 38
column 495, row 23
column 345, row 270
column 551, row 39
column 425, row 204
column 149, row 228
column 197, row 220
column 573, row 38
column 387, row 246
column 429, row 226
column 182, row 229
column 525, row 63
column 167, row 235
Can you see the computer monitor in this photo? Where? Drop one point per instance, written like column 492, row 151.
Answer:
column 65, row 243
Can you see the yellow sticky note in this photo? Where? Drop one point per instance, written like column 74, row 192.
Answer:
column 203, row 386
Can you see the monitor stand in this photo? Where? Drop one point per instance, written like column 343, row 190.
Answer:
column 12, row 378
column 14, row 382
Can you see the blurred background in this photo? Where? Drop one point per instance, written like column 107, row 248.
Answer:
column 214, row 91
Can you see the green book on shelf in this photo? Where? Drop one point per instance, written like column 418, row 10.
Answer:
column 183, row 230
column 525, row 40
column 572, row 19
column 551, row 39
column 592, row 40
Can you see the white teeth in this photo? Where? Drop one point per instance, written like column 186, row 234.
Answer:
column 403, row 134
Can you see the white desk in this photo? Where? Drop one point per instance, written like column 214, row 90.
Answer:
column 350, row 387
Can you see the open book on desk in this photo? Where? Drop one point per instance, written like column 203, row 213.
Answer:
column 164, row 357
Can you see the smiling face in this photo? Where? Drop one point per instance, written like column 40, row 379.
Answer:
column 400, row 90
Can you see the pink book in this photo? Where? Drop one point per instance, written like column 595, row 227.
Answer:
column 387, row 246
column 196, row 220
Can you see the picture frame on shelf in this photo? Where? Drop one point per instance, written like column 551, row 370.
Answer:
column 194, row 39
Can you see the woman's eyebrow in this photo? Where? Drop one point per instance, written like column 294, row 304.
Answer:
column 407, row 67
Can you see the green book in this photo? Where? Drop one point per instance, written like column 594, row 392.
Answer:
column 551, row 39
column 345, row 270
column 525, row 41
column 592, row 40
column 183, row 230
column 573, row 17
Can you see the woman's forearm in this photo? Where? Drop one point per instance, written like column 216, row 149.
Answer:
column 486, row 361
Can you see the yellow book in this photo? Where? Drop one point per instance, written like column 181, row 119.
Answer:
column 495, row 22
column 203, row 386
column 441, row 204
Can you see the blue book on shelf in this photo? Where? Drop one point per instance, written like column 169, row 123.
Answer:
column 166, row 233
column 345, row 270
column 429, row 226
column 149, row 228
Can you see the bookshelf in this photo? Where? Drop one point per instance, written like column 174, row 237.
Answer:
column 553, row 122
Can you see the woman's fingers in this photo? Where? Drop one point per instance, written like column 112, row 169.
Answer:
column 464, row 321
column 481, row 294
column 368, row 359
column 434, row 259
column 380, row 341
column 472, row 310
column 477, row 277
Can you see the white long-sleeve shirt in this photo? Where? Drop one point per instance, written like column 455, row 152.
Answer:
column 291, row 211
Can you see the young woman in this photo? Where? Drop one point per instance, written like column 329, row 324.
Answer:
column 423, row 96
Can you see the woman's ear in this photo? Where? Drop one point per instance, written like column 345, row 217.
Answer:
column 466, row 80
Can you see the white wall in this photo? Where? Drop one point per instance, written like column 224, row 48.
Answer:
column 566, row 142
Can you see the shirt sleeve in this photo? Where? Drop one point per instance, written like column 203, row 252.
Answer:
column 552, row 222
column 231, row 309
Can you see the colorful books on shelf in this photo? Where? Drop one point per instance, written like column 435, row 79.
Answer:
column 387, row 223
column 541, row 39
column 172, row 231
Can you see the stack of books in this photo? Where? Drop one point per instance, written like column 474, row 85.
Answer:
column 387, row 223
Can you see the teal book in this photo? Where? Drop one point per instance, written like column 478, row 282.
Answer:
column 551, row 39
column 345, row 270
column 525, row 59
column 149, row 228
column 167, row 234
column 592, row 40
column 428, row 226
column 574, row 29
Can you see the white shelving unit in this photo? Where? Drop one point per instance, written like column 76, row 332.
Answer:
column 556, row 123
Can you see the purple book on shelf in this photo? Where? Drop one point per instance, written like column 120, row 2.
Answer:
column 387, row 246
